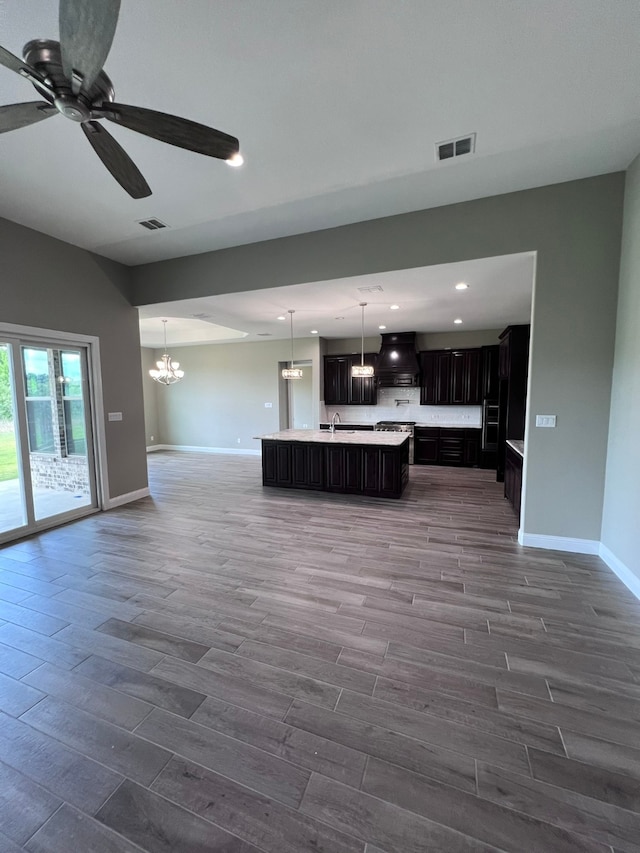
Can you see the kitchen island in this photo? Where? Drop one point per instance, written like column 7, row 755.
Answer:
column 363, row 463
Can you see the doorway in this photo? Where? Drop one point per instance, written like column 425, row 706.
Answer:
column 47, row 458
column 296, row 398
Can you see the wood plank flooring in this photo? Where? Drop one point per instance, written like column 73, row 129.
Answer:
column 224, row 667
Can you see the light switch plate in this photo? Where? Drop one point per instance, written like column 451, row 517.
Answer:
column 545, row 420
column 268, row 405
column 115, row 416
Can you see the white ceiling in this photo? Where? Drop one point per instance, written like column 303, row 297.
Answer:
column 499, row 293
column 337, row 105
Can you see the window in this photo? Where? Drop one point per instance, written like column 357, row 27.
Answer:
column 72, row 405
column 39, row 400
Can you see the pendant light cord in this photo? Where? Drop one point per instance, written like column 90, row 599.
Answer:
column 291, row 313
column 362, row 305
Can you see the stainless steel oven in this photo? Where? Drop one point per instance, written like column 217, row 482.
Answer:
column 399, row 426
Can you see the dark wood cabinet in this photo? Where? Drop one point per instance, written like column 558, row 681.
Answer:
column 426, row 445
column 451, row 377
column 353, row 468
column 514, row 362
column 341, row 389
column 513, row 479
column 364, row 389
column 337, row 380
column 447, row 446
column 490, row 374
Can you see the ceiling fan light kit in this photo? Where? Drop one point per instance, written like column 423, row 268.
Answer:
column 69, row 76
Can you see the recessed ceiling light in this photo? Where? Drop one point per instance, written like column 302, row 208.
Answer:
column 235, row 160
column 394, row 307
column 458, row 321
column 314, row 331
column 281, row 317
column 382, row 327
column 462, row 286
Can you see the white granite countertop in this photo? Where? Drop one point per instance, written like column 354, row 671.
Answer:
column 323, row 436
column 517, row 445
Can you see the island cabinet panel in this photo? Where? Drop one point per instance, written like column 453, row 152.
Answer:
column 315, row 466
column 269, row 470
column 335, row 468
column 347, row 468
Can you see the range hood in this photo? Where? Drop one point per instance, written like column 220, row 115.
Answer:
column 397, row 363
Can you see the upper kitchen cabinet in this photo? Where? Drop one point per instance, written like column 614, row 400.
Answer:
column 337, row 379
column 451, row 377
column 341, row 389
column 514, row 362
column 490, row 372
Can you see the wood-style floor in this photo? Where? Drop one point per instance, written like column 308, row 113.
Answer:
column 230, row 668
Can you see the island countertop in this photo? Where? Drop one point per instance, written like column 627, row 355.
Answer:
column 517, row 445
column 323, row 436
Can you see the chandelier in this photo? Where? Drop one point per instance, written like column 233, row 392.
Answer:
column 291, row 372
column 362, row 370
column 167, row 371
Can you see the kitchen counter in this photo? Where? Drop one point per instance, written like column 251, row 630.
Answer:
column 361, row 463
column 323, row 436
column 517, row 445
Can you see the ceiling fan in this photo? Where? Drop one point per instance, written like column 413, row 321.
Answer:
column 68, row 75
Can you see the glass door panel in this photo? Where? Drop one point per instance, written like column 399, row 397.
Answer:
column 13, row 513
column 58, row 426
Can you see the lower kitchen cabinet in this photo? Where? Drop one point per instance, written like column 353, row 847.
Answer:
column 513, row 464
column 447, row 446
column 355, row 469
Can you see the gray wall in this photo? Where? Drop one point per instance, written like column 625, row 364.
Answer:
column 51, row 285
column 150, row 393
column 574, row 228
column 221, row 398
column 622, row 491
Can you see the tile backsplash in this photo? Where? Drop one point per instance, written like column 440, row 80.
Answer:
column 403, row 404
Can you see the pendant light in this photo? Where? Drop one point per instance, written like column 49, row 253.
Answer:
column 167, row 371
column 291, row 372
column 362, row 370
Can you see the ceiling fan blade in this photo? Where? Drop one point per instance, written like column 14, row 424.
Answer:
column 14, row 116
column 173, row 130
column 19, row 66
column 116, row 159
column 87, row 28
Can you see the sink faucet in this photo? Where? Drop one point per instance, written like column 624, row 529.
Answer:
column 334, row 420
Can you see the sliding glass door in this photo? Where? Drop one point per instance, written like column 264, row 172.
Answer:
column 47, row 471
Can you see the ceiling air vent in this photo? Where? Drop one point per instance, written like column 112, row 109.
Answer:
column 264, row 334
column 374, row 288
column 152, row 224
column 456, row 147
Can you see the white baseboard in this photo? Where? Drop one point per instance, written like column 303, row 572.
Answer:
column 152, row 447
column 189, row 448
column 628, row 578
column 559, row 543
column 119, row 500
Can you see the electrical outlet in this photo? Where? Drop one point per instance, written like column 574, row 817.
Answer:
column 545, row 420
column 152, row 437
column 238, row 441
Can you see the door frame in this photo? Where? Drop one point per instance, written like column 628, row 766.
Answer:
column 35, row 335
